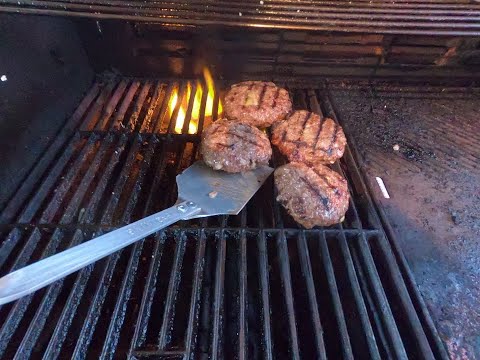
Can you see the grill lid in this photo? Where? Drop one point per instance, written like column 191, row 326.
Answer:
column 224, row 287
column 428, row 17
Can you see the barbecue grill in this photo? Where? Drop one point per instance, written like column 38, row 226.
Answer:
column 104, row 104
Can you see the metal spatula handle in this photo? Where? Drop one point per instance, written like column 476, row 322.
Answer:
column 33, row 277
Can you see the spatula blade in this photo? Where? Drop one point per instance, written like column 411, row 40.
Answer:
column 219, row 192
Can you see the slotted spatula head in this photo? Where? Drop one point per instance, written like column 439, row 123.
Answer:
column 219, row 192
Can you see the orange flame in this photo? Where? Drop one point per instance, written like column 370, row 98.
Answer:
column 197, row 104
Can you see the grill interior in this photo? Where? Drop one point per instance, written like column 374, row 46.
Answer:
column 146, row 48
column 224, row 287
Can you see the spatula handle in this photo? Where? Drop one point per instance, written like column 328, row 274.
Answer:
column 37, row 275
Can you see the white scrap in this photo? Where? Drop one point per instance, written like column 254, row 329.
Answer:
column 239, row 14
column 261, row 2
column 396, row 147
column 382, row 187
column 212, row 194
column 3, row 78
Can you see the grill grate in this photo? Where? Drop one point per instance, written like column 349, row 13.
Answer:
column 225, row 287
column 427, row 17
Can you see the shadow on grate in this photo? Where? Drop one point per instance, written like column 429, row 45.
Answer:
column 252, row 285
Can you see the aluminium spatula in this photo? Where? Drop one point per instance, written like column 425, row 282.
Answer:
column 202, row 192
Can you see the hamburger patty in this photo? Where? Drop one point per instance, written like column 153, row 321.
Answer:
column 306, row 137
column 257, row 103
column 234, row 147
column 313, row 196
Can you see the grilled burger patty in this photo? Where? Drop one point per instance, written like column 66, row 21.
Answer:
column 257, row 103
column 234, row 147
column 313, row 196
column 306, row 137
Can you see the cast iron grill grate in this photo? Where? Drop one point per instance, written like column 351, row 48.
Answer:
column 251, row 285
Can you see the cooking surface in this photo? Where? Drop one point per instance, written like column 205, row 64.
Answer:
column 434, row 184
column 436, row 17
column 222, row 287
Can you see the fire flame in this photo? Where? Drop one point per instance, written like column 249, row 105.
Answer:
column 196, row 108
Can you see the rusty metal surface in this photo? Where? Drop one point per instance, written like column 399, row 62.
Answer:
column 434, row 183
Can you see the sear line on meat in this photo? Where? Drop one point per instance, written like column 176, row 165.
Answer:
column 234, row 147
column 257, row 103
column 306, row 137
column 312, row 195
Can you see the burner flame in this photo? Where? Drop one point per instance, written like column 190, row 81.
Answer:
column 197, row 104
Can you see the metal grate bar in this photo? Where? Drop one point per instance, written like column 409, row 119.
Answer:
column 188, row 114
column 216, row 101
column 110, row 107
column 243, row 332
column 38, row 321
column 382, row 303
column 139, row 336
column 168, row 314
column 54, row 290
column 20, row 307
column 163, row 110
column 154, row 107
column 11, row 240
column 101, row 291
column 287, row 283
column 118, row 314
column 203, row 104
column 23, row 258
column 112, row 263
column 66, row 317
column 97, row 107
column 340, row 317
column 95, row 307
column 105, row 152
column 216, row 346
column 159, row 169
column 74, row 172
column 305, row 5
column 182, row 94
column 378, row 327
column 358, row 16
column 120, row 115
column 192, row 328
column 264, row 281
column 25, row 189
column 133, row 122
column 353, row 280
column 34, row 204
column 308, row 274
column 439, row 346
column 140, row 176
column 114, row 199
column 405, row 301
column 367, row 328
column 90, row 210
